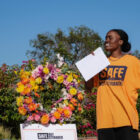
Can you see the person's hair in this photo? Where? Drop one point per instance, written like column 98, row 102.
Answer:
column 126, row 46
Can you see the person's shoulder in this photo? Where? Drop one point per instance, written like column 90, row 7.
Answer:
column 131, row 58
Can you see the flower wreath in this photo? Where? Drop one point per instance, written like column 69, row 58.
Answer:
column 49, row 93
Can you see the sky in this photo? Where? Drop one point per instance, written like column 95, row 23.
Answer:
column 22, row 20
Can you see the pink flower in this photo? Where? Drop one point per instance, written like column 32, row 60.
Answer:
column 58, row 100
column 37, row 71
column 84, row 126
column 55, row 76
column 88, row 124
column 95, row 133
column 89, row 132
column 65, row 82
column 24, row 61
column 37, row 117
column 58, row 70
column 53, row 120
column 69, row 96
column 33, row 60
column 94, row 93
column 30, row 118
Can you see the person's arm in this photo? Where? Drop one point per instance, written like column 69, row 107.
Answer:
column 89, row 85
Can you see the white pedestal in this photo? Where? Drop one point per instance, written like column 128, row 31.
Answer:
column 48, row 132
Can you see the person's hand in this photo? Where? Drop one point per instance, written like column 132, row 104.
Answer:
column 92, row 53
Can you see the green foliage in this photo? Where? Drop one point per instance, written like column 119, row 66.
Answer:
column 9, row 116
column 138, row 105
column 78, row 42
column 136, row 53
column 87, row 127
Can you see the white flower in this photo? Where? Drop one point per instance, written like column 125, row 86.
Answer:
column 53, row 110
column 46, row 77
column 60, row 60
column 41, row 106
column 60, row 63
column 62, row 105
column 64, row 93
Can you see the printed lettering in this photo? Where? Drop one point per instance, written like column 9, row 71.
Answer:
column 120, row 73
column 112, row 75
column 116, row 69
column 48, row 136
column 103, row 74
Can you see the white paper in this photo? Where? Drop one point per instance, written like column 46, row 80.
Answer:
column 49, row 132
column 90, row 65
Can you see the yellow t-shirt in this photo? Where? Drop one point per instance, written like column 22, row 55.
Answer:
column 117, row 93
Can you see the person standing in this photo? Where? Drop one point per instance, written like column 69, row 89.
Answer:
column 117, row 116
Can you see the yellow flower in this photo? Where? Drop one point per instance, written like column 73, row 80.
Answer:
column 46, row 70
column 73, row 91
column 60, row 79
column 32, row 82
column 66, row 102
column 69, row 78
column 75, row 76
column 20, row 88
column 35, row 87
column 78, row 81
column 41, row 88
column 38, row 80
column 19, row 100
column 24, row 74
column 15, row 72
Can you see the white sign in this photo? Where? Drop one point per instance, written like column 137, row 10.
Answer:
column 90, row 65
column 48, row 132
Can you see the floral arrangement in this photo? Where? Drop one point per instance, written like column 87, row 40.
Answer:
column 87, row 127
column 49, row 93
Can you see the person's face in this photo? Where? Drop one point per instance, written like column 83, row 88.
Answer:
column 112, row 41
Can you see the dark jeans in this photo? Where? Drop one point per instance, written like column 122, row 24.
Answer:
column 119, row 133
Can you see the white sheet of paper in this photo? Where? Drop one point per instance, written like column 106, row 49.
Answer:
column 90, row 65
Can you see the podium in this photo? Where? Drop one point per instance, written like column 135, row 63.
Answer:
column 48, row 132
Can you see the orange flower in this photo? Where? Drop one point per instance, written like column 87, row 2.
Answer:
column 50, row 85
column 37, row 105
column 71, row 107
column 79, row 108
column 28, row 100
column 57, row 115
column 32, row 106
column 25, row 81
column 67, row 113
column 32, row 81
column 60, row 110
column 26, row 91
column 37, row 95
column 45, row 119
column 22, row 110
column 80, row 96
column 73, row 101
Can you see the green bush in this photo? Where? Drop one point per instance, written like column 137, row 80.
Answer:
column 9, row 116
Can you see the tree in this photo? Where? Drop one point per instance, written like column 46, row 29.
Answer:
column 136, row 53
column 73, row 46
